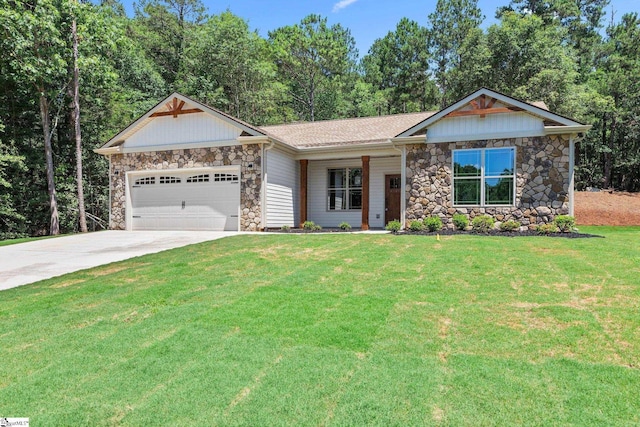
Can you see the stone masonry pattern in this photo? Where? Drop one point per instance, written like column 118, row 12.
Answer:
column 542, row 180
column 243, row 155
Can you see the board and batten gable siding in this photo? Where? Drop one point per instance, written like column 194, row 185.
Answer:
column 317, row 191
column 468, row 128
column 187, row 128
column 283, row 189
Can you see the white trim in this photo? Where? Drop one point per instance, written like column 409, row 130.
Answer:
column 531, row 109
column 417, row 139
column 572, row 160
column 263, row 187
column 483, row 178
column 339, row 153
column 133, row 127
column 403, row 178
column 484, row 136
column 110, row 191
column 187, row 146
column 560, row 130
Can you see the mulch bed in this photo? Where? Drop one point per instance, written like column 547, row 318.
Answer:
column 529, row 233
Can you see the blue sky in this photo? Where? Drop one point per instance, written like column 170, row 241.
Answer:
column 367, row 19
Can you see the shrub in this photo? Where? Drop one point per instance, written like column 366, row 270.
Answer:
column 285, row 228
column 310, row 226
column 416, row 225
column 565, row 223
column 433, row 223
column 317, row 227
column 548, row 228
column 393, row 226
column 510, row 225
column 460, row 221
column 345, row 226
column 482, row 223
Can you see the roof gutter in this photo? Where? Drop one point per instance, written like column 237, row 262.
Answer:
column 559, row 130
column 407, row 140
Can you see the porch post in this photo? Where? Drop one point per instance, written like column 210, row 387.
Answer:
column 365, row 192
column 303, row 190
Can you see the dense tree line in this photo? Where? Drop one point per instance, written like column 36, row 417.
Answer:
column 567, row 53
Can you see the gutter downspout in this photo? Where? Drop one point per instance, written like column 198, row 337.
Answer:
column 403, row 182
column 263, row 189
column 573, row 138
column 110, row 192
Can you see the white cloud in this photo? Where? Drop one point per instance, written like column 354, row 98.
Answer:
column 342, row 4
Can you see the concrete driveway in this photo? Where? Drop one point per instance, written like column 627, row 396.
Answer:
column 42, row 259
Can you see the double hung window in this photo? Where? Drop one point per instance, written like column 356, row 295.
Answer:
column 484, row 177
column 344, row 189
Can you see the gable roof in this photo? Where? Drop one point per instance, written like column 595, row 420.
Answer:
column 345, row 132
column 177, row 104
column 535, row 108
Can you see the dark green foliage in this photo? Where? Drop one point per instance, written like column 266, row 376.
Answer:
column 393, row 226
column 565, row 223
column 345, row 226
column 482, row 223
column 460, row 221
column 510, row 225
column 416, row 225
column 433, row 223
column 548, row 228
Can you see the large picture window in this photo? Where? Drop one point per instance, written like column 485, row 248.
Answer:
column 484, row 177
column 344, row 189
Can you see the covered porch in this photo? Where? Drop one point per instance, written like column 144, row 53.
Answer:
column 364, row 191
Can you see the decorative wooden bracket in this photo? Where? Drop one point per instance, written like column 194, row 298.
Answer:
column 481, row 106
column 175, row 108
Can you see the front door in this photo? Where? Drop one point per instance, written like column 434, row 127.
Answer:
column 392, row 194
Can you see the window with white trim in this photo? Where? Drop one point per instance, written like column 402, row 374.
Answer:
column 198, row 178
column 225, row 177
column 484, row 177
column 344, row 189
column 170, row 180
column 148, row 180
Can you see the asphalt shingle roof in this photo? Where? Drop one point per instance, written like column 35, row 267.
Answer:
column 344, row 132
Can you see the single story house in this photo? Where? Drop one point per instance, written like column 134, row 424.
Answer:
column 184, row 165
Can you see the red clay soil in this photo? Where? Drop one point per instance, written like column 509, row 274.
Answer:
column 607, row 208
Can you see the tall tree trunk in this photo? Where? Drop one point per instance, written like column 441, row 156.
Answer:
column 76, row 124
column 54, row 227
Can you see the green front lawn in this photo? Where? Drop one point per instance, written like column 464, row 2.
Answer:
column 334, row 329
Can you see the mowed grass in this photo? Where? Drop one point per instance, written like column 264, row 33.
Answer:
column 334, row 329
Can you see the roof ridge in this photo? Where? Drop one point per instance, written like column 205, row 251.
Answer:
column 348, row 119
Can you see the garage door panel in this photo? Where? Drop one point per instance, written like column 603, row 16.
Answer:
column 163, row 204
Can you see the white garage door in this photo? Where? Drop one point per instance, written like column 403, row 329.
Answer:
column 185, row 201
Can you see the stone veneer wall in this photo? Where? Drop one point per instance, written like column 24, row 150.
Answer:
column 243, row 155
column 542, row 180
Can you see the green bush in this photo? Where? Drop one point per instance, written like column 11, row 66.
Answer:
column 416, row 225
column 345, row 226
column 510, row 225
column 548, row 228
column 460, row 221
column 433, row 223
column 285, row 228
column 482, row 223
column 310, row 226
column 565, row 223
column 393, row 226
